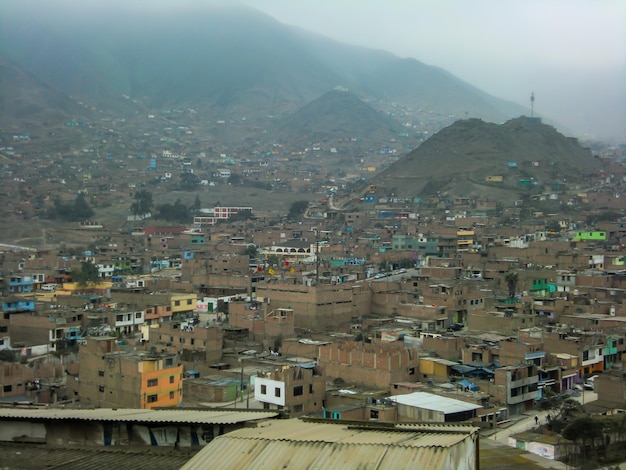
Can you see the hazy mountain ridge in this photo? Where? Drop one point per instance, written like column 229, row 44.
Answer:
column 233, row 60
column 335, row 115
column 26, row 100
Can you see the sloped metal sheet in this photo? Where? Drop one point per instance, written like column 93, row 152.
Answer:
column 300, row 445
column 137, row 415
column 233, row 453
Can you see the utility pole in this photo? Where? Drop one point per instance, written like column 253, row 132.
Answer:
column 317, row 257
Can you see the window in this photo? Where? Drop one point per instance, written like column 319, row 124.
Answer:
column 411, row 370
column 100, row 373
column 171, row 395
column 374, row 414
column 310, row 388
column 169, row 361
column 137, row 314
column 277, row 392
column 101, row 389
column 263, row 389
column 8, row 388
column 171, row 379
column 153, row 398
column 188, row 301
column 153, row 382
column 177, row 303
column 297, row 391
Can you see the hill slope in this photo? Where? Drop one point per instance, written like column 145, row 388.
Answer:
column 28, row 103
column 335, row 115
column 458, row 159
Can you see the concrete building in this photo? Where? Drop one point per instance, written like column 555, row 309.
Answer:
column 374, row 365
column 192, row 342
column 110, row 377
column 295, row 390
column 516, row 387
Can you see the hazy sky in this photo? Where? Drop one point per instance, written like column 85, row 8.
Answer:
column 570, row 53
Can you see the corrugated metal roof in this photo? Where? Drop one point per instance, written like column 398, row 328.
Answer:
column 138, row 415
column 302, row 445
column 229, row 453
column 430, row 401
column 293, row 430
column 37, row 456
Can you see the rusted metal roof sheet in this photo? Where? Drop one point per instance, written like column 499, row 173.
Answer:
column 37, row 456
column 138, row 415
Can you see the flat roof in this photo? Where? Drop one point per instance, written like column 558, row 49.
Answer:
column 430, row 401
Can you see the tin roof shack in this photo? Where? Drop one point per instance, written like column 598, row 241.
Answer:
column 280, row 443
column 121, row 427
column 112, row 377
column 435, row 368
column 296, row 390
column 428, row 407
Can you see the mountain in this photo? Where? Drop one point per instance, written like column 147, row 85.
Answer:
column 227, row 60
column 27, row 103
column 338, row 114
column 457, row 160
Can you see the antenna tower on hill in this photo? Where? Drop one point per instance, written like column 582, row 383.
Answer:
column 532, row 104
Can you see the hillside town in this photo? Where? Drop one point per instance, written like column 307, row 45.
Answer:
column 395, row 311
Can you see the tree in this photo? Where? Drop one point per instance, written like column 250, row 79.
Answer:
column 251, row 250
column 77, row 211
column 87, row 274
column 6, row 355
column 584, row 430
column 197, row 205
column 296, row 210
column 178, row 212
column 511, row 279
column 235, row 178
column 143, row 203
column 82, row 211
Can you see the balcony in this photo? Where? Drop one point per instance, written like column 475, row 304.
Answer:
column 533, row 379
column 523, row 397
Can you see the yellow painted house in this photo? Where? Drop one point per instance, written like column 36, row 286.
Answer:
column 183, row 302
